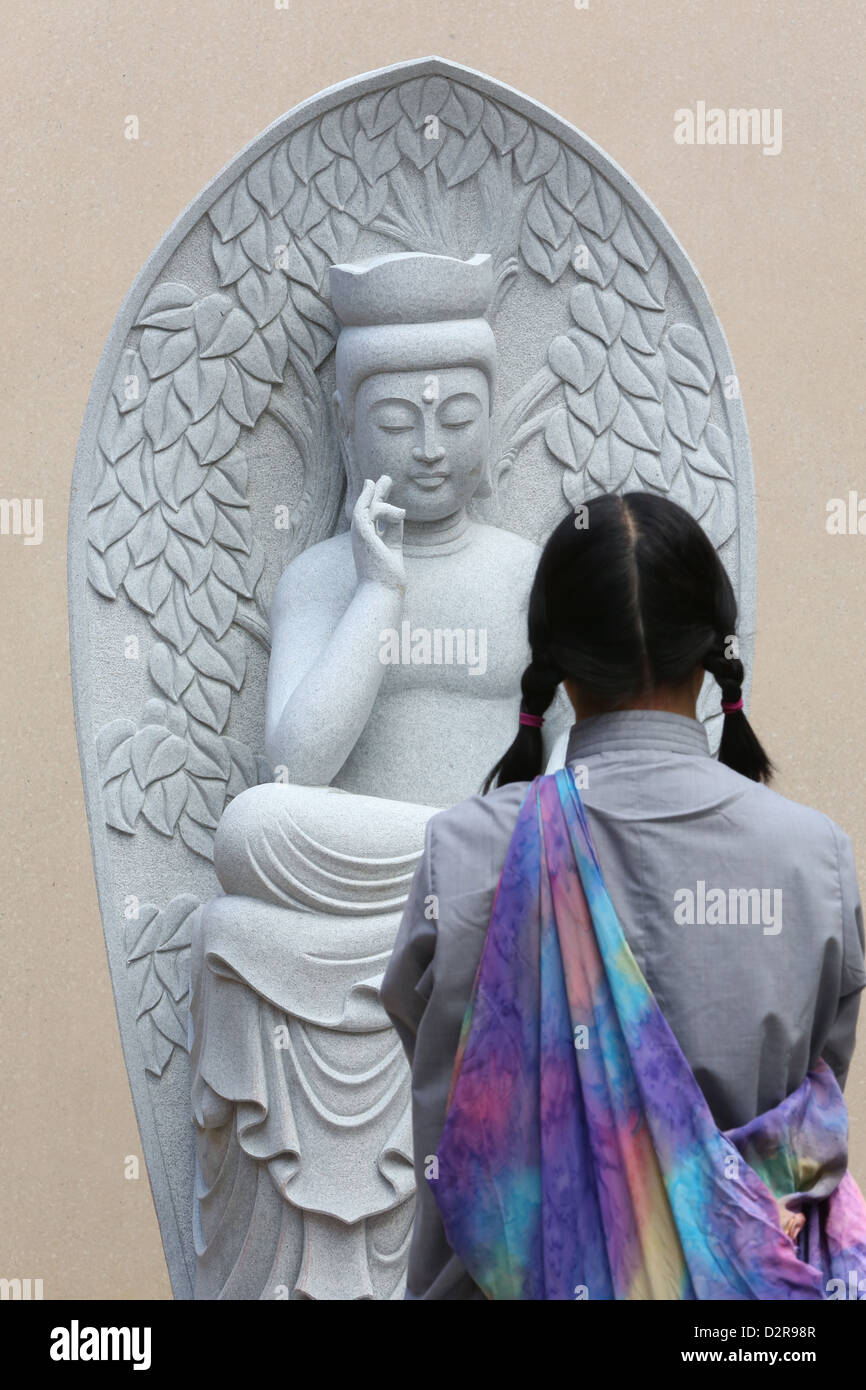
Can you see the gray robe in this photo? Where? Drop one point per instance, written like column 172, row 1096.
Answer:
column 753, row 1003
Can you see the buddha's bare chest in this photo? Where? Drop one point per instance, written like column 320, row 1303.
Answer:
column 457, row 632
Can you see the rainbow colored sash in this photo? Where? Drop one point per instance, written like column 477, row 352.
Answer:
column 579, row 1158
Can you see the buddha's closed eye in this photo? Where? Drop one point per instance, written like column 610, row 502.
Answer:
column 455, row 412
column 459, row 411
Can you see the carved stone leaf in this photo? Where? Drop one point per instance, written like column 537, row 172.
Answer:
column 244, row 772
column 637, row 374
column 107, row 488
column 243, row 396
column 209, row 701
column 600, row 208
column 158, row 945
column 568, row 180
column 535, row 154
column 713, row 455
column 649, row 470
column 163, row 352
column 597, row 311
column 226, row 481
column 462, row 109
column 643, row 291
column 196, row 837
column 688, row 358
column 460, row 159
column 577, row 358
column 642, row 328
column 548, row 260
column 164, row 1018
column 123, row 799
column 111, row 741
column 134, row 473
column 106, row 571
column 149, row 586
column 120, row 432
column 231, row 260
column 263, row 294
column 379, row 111
column 308, row 152
column 234, row 211
column 173, row 620
column 112, row 522
column 148, row 537
column 640, row 422
column 212, row 754
column 223, row 432
column 686, row 412
column 598, row 406
column 164, row 801
column 271, row 180
column 205, row 802
column 222, row 661
column 199, row 383
column 610, row 462
column 171, row 672
column 633, row 241
column 337, row 128
column 602, row 259
column 568, row 438
column 232, row 529
column 213, row 606
column 368, row 200
column 156, row 754
column 422, row 147
column 165, row 415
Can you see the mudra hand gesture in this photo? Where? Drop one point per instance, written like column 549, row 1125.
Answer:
column 378, row 553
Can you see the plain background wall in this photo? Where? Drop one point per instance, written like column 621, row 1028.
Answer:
column 777, row 241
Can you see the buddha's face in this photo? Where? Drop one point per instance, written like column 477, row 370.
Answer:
column 428, row 430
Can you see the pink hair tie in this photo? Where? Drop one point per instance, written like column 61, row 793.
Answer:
column 730, row 706
column 535, row 721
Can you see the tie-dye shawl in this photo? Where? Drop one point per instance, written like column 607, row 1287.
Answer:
column 579, row 1158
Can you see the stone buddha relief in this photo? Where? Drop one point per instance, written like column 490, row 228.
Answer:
column 356, row 385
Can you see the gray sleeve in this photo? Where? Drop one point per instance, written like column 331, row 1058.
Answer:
column 839, row 1046
column 408, row 978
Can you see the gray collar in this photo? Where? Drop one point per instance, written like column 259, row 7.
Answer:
column 636, row 728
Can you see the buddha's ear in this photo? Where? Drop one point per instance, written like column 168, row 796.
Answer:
column 485, row 482
column 345, row 445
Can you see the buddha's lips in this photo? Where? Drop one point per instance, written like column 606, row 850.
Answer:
column 429, row 479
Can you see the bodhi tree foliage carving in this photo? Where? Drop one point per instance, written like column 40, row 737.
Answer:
column 622, row 398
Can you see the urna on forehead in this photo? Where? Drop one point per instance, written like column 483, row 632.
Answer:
column 411, row 311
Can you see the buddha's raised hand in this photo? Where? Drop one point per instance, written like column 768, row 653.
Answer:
column 378, row 553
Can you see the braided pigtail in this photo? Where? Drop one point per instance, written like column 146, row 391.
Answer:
column 740, row 747
column 524, row 760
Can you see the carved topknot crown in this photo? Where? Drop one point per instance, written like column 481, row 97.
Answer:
column 411, row 287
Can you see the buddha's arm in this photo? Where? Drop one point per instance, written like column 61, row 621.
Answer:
column 322, row 685
column 325, row 672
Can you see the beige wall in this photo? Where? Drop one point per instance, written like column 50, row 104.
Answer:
column 776, row 240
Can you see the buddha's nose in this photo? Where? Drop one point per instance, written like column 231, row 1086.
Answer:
column 429, row 450
column 431, row 453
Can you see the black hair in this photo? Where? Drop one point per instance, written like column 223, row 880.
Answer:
column 630, row 594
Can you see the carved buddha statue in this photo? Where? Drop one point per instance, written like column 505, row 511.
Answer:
column 393, row 686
